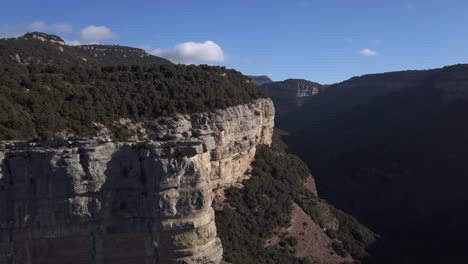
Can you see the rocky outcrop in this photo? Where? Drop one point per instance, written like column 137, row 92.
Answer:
column 45, row 38
column 230, row 135
column 127, row 202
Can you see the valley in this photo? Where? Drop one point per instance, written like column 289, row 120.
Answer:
column 389, row 149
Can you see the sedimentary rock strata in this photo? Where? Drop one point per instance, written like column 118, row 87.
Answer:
column 146, row 201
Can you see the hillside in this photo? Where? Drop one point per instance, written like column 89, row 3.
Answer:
column 391, row 150
column 260, row 80
column 291, row 94
column 41, row 48
column 278, row 217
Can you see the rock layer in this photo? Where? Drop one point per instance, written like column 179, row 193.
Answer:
column 127, row 202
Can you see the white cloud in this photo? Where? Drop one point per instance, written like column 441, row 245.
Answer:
column 191, row 52
column 3, row 33
column 56, row 28
column 368, row 52
column 36, row 26
column 96, row 33
column 8, row 30
column 88, row 35
column 64, row 28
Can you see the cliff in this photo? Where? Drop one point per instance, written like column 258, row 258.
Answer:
column 145, row 201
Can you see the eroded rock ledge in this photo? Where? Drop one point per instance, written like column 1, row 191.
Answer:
column 127, row 202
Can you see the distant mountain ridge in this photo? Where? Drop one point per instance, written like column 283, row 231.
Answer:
column 391, row 150
column 41, row 48
column 450, row 81
column 289, row 95
column 260, row 80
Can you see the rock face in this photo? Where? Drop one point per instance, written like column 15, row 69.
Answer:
column 45, row 37
column 127, row 202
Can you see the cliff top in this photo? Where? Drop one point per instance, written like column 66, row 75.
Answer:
column 51, row 90
column 43, row 37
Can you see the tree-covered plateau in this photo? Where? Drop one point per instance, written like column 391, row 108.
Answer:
column 39, row 101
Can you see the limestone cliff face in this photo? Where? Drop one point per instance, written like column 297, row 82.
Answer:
column 127, row 202
column 230, row 136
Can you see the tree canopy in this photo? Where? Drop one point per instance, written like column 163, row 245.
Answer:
column 40, row 100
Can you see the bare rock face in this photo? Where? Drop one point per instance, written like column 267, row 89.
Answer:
column 127, row 202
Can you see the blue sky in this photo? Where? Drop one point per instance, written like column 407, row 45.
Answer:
column 324, row 41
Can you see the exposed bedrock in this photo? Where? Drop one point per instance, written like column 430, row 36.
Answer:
column 127, row 202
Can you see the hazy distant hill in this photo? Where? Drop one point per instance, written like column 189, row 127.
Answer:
column 392, row 150
column 291, row 94
column 39, row 47
column 259, row 80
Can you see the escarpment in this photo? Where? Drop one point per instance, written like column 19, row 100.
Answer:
column 146, row 201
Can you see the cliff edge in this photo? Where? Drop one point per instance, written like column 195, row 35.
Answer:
column 147, row 201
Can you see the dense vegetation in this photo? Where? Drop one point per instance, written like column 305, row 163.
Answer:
column 38, row 101
column 47, row 88
column 265, row 203
column 391, row 149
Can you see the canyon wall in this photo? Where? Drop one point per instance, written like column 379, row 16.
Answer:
column 143, row 201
